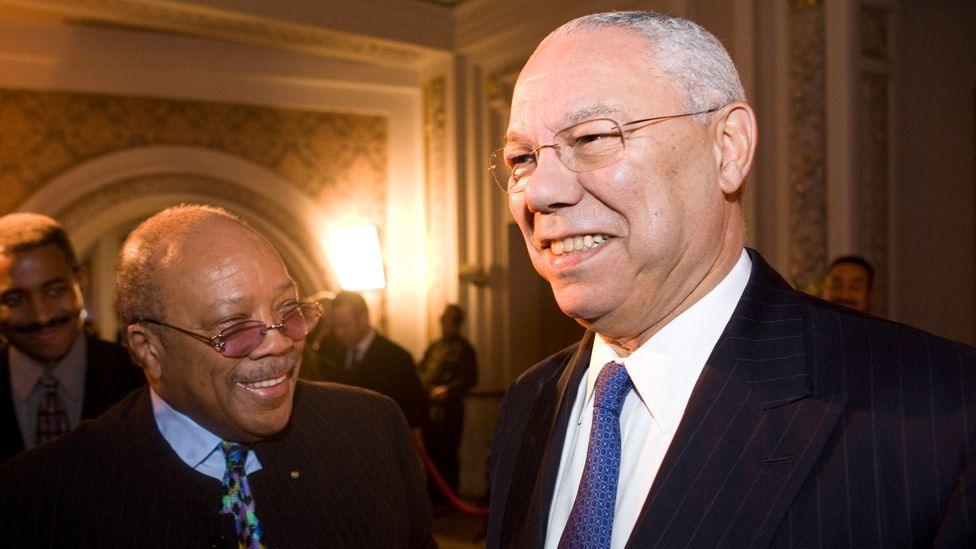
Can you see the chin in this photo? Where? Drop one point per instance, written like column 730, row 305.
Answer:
column 583, row 306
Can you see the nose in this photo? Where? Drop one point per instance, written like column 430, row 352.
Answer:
column 275, row 342
column 42, row 309
column 551, row 185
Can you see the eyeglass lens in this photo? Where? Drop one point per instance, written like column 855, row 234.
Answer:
column 241, row 339
column 585, row 146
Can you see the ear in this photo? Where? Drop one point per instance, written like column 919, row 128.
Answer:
column 145, row 345
column 735, row 144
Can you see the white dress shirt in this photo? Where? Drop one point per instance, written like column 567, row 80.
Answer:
column 196, row 446
column 664, row 371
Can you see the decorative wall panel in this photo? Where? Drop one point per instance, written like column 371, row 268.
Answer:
column 441, row 225
column 807, row 145
column 339, row 160
column 873, row 181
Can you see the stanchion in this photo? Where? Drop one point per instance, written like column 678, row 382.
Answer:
column 442, row 485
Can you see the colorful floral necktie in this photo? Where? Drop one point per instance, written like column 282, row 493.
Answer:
column 238, row 502
column 52, row 420
column 590, row 522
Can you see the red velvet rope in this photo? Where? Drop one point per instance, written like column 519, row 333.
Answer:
column 442, row 485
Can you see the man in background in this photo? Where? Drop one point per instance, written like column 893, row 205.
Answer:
column 226, row 447
column 448, row 370
column 850, row 282
column 364, row 358
column 52, row 375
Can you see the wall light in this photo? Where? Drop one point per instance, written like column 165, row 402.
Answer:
column 355, row 254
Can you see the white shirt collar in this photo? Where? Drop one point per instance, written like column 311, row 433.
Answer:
column 666, row 367
column 188, row 439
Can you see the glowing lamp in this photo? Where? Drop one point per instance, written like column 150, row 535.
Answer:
column 356, row 257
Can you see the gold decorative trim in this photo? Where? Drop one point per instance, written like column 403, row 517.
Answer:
column 873, row 179
column 807, row 145
column 438, row 208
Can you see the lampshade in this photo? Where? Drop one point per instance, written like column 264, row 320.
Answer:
column 356, row 256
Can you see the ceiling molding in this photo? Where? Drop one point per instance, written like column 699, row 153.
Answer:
column 226, row 25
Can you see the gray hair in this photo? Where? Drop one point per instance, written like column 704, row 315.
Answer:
column 682, row 50
column 149, row 249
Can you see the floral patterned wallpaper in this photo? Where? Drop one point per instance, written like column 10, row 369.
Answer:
column 337, row 159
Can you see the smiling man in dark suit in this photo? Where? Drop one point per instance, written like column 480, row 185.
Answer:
column 709, row 404
column 226, row 447
column 51, row 375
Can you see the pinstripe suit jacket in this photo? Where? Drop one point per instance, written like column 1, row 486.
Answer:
column 810, row 426
column 343, row 474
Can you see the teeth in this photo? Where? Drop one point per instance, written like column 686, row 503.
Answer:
column 266, row 383
column 576, row 243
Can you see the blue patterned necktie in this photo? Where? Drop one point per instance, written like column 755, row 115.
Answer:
column 238, row 502
column 590, row 522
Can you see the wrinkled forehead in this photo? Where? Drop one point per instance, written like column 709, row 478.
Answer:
column 222, row 253
column 584, row 74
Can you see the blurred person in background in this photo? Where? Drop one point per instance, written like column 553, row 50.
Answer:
column 52, row 374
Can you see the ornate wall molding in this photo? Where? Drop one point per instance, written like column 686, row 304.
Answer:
column 441, row 208
column 872, row 31
column 289, row 235
column 807, row 145
column 873, row 143
column 196, row 20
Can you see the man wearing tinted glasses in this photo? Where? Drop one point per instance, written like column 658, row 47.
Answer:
column 226, row 446
column 709, row 404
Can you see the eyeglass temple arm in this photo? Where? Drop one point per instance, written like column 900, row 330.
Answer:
column 216, row 341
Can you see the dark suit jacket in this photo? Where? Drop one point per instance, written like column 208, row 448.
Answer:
column 344, row 473
column 811, row 426
column 386, row 368
column 109, row 376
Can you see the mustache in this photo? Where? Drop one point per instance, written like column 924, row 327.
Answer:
column 35, row 327
column 271, row 369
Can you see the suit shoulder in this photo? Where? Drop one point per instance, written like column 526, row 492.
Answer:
column 548, row 367
column 70, row 450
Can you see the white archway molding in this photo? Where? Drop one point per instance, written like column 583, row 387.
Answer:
column 93, row 176
column 99, row 199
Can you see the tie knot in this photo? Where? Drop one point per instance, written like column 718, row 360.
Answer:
column 48, row 381
column 235, row 453
column 612, row 386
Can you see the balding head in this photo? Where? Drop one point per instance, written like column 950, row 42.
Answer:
column 205, row 301
column 152, row 248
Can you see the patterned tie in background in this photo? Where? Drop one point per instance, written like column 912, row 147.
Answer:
column 52, row 420
column 238, row 502
column 590, row 522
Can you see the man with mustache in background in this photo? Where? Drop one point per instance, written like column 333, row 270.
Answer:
column 51, row 375
column 226, row 447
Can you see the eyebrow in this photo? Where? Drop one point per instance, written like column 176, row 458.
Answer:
column 599, row 110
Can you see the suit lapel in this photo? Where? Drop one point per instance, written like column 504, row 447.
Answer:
column 538, row 460
column 11, row 440
column 753, row 428
column 175, row 478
